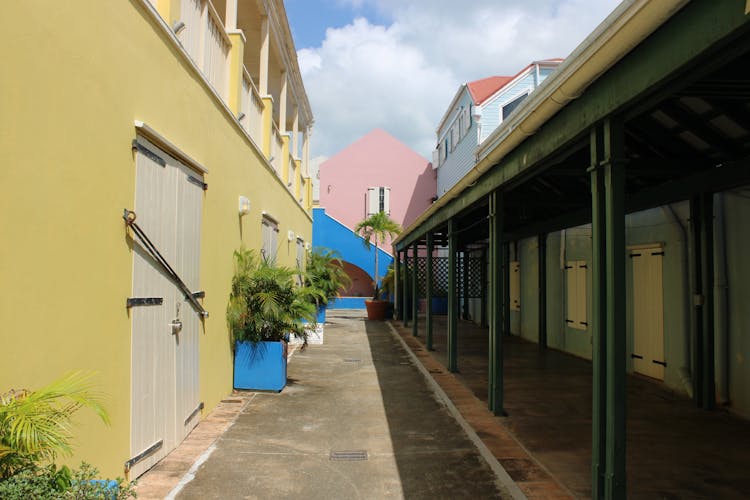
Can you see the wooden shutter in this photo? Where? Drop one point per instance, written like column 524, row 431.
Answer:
column 373, row 200
column 386, row 200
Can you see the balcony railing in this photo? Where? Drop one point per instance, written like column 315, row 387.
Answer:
column 252, row 108
column 205, row 40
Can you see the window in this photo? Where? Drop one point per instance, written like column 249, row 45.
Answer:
column 454, row 136
column 464, row 121
column 378, row 200
column 575, row 277
column 511, row 106
column 270, row 238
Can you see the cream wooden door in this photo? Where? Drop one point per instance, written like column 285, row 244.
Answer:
column 164, row 360
column 648, row 312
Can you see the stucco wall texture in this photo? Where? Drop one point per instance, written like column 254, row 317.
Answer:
column 376, row 159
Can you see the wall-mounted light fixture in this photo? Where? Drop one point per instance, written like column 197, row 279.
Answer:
column 244, row 206
column 177, row 27
column 307, row 246
column 290, row 235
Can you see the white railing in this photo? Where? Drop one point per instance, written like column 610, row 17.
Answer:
column 277, row 147
column 252, row 108
column 206, row 42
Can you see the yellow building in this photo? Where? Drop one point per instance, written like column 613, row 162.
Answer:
column 173, row 109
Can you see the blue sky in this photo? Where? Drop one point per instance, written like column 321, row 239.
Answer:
column 309, row 19
column 396, row 64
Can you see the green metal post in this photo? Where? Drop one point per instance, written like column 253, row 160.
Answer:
column 701, row 214
column 405, row 289
column 614, row 194
column 497, row 278
column 397, row 285
column 598, row 319
column 542, row 251
column 415, row 291
column 484, row 288
column 696, row 316
column 452, row 297
column 428, row 289
column 707, row 241
column 506, row 289
column 465, row 284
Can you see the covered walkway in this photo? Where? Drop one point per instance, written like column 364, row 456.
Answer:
column 675, row 450
column 606, row 217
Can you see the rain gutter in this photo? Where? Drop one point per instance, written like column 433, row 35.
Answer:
column 626, row 27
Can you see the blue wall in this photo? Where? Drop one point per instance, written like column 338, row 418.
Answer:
column 332, row 234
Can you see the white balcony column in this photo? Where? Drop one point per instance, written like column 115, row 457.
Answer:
column 230, row 16
column 282, row 103
column 306, row 151
column 264, row 46
column 295, row 131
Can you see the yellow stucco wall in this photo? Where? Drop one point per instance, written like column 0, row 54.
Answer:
column 75, row 78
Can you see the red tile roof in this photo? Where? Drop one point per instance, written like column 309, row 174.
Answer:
column 485, row 88
column 480, row 90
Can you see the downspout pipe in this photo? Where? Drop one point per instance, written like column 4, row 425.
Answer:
column 627, row 26
column 685, row 373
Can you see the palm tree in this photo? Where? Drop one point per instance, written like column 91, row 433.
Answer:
column 375, row 229
column 325, row 272
column 36, row 425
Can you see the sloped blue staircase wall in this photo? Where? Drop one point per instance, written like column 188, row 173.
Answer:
column 332, row 234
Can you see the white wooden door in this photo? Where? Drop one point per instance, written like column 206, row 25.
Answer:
column 648, row 312
column 164, row 365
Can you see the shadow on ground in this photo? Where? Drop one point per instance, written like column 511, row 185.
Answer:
column 434, row 456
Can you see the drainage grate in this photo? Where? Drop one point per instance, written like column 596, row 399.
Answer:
column 231, row 401
column 435, row 370
column 351, row 360
column 348, row 456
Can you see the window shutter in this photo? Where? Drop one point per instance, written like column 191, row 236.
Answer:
column 387, row 200
column 373, row 200
column 435, row 158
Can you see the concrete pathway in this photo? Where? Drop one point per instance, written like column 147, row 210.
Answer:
column 357, row 420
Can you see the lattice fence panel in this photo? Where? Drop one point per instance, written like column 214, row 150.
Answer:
column 473, row 268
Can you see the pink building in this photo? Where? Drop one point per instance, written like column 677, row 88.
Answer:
column 376, row 172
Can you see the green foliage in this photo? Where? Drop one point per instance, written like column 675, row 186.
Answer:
column 49, row 482
column 387, row 285
column 36, row 425
column 375, row 229
column 325, row 272
column 265, row 303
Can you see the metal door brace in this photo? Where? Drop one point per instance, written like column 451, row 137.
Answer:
column 129, row 217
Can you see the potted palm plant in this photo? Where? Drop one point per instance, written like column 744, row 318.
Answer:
column 325, row 272
column 374, row 230
column 265, row 308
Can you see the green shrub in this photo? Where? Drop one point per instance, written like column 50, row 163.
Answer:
column 49, row 482
column 265, row 303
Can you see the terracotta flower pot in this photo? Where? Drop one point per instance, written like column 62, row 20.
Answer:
column 376, row 309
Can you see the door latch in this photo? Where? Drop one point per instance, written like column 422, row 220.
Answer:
column 176, row 323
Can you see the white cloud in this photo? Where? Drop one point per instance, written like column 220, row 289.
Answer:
column 402, row 77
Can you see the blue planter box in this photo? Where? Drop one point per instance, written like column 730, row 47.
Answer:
column 440, row 305
column 321, row 318
column 261, row 366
